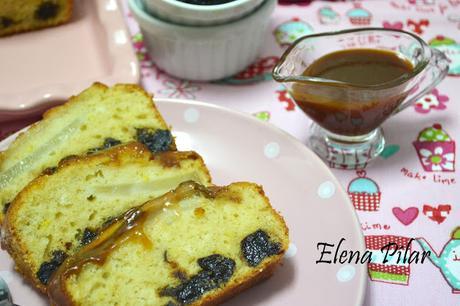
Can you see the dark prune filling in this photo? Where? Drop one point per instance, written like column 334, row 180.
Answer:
column 156, row 141
column 6, row 22
column 257, row 246
column 88, row 236
column 49, row 171
column 48, row 267
column 47, row 10
column 108, row 143
column 216, row 270
column 5, row 207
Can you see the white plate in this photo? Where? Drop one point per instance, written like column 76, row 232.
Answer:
column 238, row 147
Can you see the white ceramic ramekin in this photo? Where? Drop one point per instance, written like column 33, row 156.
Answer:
column 192, row 14
column 204, row 53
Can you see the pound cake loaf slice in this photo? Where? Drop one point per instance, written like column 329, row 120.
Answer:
column 26, row 15
column 62, row 209
column 97, row 118
column 191, row 246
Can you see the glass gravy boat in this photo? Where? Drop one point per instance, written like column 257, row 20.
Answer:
column 347, row 117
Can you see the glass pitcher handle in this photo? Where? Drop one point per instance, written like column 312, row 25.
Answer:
column 435, row 71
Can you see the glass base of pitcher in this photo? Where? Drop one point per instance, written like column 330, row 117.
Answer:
column 346, row 152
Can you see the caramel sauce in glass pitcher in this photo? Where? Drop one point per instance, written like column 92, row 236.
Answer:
column 338, row 108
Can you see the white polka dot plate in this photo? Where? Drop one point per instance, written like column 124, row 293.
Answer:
column 239, row 147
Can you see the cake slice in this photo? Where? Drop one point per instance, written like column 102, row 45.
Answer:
column 61, row 210
column 26, row 15
column 96, row 119
column 191, row 246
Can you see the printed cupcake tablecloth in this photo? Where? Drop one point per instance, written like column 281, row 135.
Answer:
column 412, row 190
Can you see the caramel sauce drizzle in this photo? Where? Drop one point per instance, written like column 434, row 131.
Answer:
column 129, row 226
column 173, row 158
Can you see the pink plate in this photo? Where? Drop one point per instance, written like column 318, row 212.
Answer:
column 238, row 147
column 45, row 67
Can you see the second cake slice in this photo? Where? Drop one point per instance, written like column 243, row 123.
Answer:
column 97, row 118
column 62, row 209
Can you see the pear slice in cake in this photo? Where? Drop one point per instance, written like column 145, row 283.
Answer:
column 61, row 210
column 26, row 15
column 96, row 119
column 191, row 246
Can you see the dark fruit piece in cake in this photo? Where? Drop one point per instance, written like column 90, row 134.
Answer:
column 47, row 10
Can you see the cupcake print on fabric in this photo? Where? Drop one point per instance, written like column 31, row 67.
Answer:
column 141, row 52
column 393, row 271
column 364, row 193
column 451, row 49
column 327, row 15
column 359, row 16
column 435, row 149
column 288, row 32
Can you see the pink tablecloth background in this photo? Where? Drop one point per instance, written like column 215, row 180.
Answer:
column 406, row 192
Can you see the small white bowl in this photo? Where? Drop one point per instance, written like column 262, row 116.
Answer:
column 204, row 53
column 193, row 14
